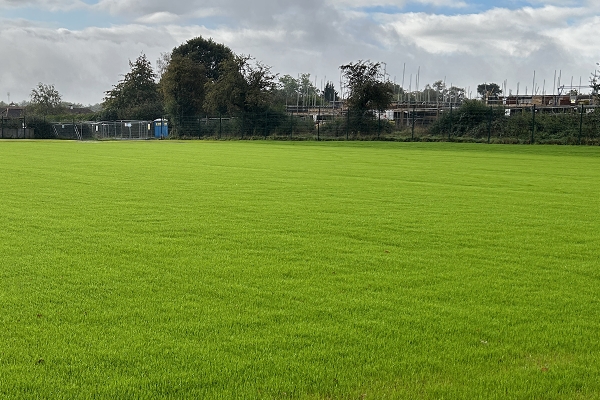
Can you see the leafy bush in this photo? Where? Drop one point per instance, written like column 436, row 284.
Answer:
column 42, row 128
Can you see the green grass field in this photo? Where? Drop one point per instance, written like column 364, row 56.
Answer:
column 303, row 270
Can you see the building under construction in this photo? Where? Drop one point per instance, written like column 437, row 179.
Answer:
column 422, row 114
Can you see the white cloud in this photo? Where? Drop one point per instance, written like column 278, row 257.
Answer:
column 396, row 3
column 579, row 39
column 81, row 64
column 512, row 32
column 312, row 36
column 158, row 18
column 51, row 5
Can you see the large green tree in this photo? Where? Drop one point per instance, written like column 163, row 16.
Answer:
column 182, row 87
column 367, row 90
column 245, row 89
column 45, row 99
column 186, row 71
column 136, row 96
column 206, row 52
column 244, row 85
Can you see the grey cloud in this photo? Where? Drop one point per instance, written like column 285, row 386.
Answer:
column 81, row 64
column 43, row 4
column 292, row 37
column 259, row 13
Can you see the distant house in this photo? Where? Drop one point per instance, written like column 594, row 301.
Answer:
column 12, row 111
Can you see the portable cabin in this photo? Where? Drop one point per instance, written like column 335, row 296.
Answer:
column 161, row 128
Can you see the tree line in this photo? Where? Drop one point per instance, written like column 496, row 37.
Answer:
column 202, row 77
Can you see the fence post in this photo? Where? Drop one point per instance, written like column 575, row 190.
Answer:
column 533, row 125
column 580, row 125
column 379, row 126
column 292, row 124
column 243, row 124
column 220, row 125
column 451, row 123
column 490, row 124
column 347, row 122
column 319, row 124
column 412, row 134
column 266, row 123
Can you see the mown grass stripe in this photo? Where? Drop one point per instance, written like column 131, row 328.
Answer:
column 298, row 270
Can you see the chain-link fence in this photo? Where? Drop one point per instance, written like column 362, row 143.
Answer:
column 15, row 128
column 474, row 122
column 471, row 122
column 343, row 126
column 530, row 124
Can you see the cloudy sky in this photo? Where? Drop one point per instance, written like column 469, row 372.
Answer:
column 83, row 46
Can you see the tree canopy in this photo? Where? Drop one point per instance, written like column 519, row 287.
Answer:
column 182, row 87
column 197, row 63
column 45, row 99
column 136, row 96
column 297, row 91
column 489, row 90
column 367, row 89
column 329, row 92
column 202, row 77
column 244, row 85
column 206, row 52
